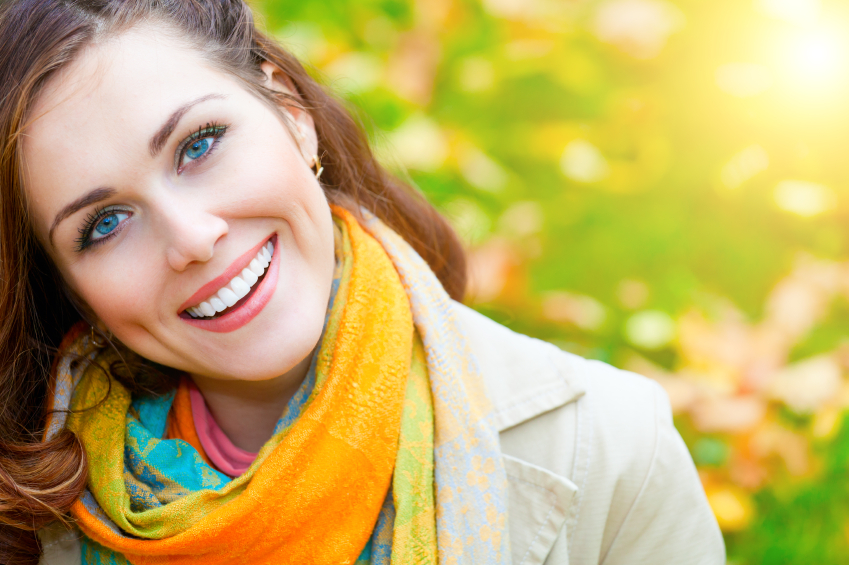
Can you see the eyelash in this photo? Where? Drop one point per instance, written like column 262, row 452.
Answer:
column 213, row 130
column 92, row 219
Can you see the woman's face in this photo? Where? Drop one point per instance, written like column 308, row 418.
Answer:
column 155, row 182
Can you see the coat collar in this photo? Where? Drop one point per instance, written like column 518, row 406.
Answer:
column 524, row 377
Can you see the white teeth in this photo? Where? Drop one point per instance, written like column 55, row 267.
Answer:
column 249, row 277
column 216, row 303
column 228, row 296
column 256, row 268
column 238, row 287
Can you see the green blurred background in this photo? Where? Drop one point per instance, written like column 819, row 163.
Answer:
column 657, row 184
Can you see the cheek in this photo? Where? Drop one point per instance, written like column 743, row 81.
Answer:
column 120, row 293
column 308, row 216
column 278, row 183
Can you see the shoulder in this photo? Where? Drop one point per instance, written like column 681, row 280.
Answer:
column 543, row 396
column 609, row 433
column 527, row 377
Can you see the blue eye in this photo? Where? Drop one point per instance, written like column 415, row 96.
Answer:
column 108, row 223
column 197, row 148
column 100, row 225
column 199, row 145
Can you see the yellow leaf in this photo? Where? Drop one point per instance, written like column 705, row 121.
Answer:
column 732, row 508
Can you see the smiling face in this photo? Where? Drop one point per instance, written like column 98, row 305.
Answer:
column 159, row 185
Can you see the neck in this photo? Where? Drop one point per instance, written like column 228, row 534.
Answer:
column 248, row 411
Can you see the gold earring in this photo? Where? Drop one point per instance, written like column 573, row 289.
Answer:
column 316, row 164
column 97, row 339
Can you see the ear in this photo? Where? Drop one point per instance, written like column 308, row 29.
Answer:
column 306, row 138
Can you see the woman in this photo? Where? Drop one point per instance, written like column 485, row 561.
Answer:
column 229, row 335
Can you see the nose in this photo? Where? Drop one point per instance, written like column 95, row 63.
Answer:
column 191, row 236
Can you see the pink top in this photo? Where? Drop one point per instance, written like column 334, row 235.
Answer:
column 229, row 459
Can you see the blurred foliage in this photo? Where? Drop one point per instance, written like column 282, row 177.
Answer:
column 656, row 184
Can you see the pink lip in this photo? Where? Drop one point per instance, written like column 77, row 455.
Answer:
column 240, row 314
column 215, row 284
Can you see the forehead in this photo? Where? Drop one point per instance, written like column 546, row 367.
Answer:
column 104, row 106
column 133, row 77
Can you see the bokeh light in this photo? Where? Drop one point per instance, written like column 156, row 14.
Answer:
column 816, row 58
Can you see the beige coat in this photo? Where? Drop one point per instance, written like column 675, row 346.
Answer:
column 597, row 472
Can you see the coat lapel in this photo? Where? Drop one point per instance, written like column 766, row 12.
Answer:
column 524, row 378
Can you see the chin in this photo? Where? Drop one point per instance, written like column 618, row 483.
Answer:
column 276, row 347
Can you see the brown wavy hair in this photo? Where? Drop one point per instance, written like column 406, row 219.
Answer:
column 40, row 480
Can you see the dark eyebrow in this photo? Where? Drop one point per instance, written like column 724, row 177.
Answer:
column 88, row 199
column 157, row 142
